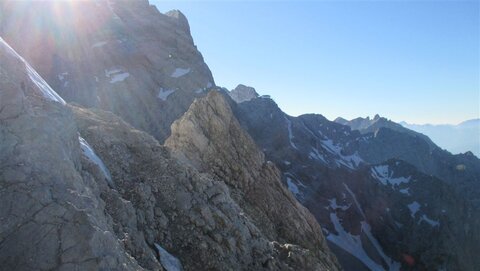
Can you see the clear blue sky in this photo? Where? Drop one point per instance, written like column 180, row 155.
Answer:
column 416, row 61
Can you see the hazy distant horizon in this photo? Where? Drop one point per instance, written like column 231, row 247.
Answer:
column 417, row 62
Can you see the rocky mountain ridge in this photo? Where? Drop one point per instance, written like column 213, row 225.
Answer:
column 115, row 199
column 94, row 188
column 365, row 196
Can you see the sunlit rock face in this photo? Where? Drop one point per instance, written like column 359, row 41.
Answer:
column 122, row 56
column 210, row 138
column 243, row 93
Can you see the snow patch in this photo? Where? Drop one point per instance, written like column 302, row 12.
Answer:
column 179, row 72
column 116, row 75
column 349, row 161
column 119, row 77
column 351, row 244
column 385, row 176
column 164, row 93
column 168, row 261
column 414, row 207
column 90, row 154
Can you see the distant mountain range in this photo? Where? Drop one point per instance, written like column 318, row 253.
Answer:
column 458, row 138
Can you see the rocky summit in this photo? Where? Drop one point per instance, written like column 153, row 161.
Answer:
column 119, row 152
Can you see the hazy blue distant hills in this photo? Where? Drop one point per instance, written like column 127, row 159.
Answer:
column 458, row 138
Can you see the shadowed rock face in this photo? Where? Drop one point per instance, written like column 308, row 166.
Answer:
column 377, row 206
column 120, row 56
column 210, row 138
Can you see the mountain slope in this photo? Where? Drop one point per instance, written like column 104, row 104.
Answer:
column 365, row 215
column 51, row 212
column 385, row 140
column 210, row 138
column 120, row 56
column 115, row 199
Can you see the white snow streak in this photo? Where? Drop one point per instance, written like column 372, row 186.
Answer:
column 351, row 243
column 168, row 261
column 433, row 223
column 354, row 199
column 368, row 232
column 44, row 88
column 292, row 187
column 90, row 154
column 290, row 133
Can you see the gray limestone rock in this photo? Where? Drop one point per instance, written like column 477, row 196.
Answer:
column 210, row 138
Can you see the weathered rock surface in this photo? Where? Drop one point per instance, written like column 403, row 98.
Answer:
column 117, row 55
column 210, row 138
column 51, row 213
column 243, row 93
column 115, row 199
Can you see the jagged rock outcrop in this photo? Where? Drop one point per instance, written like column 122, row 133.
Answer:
column 243, row 93
column 210, row 138
column 117, row 55
column 367, row 125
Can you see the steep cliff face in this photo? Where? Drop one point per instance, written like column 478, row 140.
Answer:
column 210, row 138
column 120, row 56
column 51, row 211
column 195, row 216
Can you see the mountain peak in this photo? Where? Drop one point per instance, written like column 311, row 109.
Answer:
column 243, row 93
column 180, row 18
